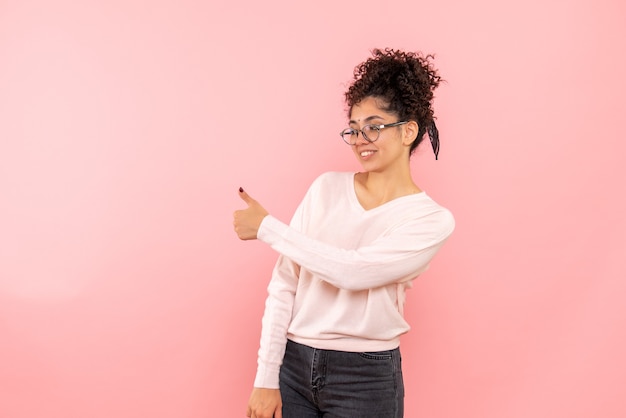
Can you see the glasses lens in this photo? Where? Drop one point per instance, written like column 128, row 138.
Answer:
column 371, row 132
column 349, row 136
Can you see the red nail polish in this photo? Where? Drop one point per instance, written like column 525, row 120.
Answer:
column 241, row 190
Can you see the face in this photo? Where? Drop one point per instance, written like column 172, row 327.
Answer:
column 393, row 143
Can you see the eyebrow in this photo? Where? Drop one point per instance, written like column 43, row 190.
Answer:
column 367, row 119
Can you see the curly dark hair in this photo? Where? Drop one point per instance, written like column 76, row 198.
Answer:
column 404, row 81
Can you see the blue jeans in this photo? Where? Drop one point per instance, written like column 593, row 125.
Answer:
column 336, row 384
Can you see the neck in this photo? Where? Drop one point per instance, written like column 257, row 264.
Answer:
column 378, row 188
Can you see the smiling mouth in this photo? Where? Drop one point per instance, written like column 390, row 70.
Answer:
column 366, row 153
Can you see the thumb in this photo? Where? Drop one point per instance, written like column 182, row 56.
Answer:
column 245, row 196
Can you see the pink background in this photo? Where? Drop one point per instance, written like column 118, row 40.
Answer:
column 126, row 128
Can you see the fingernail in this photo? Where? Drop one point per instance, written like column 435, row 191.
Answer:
column 241, row 190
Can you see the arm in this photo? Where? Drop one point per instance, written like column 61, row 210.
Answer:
column 398, row 256
column 276, row 319
column 265, row 400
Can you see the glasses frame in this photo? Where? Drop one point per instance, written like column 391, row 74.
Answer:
column 353, row 131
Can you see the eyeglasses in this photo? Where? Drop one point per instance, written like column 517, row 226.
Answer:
column 370, row 132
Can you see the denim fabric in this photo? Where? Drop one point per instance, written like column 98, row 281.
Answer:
column 336, row 384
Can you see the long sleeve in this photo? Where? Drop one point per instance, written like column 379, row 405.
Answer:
column 276, row 318
column 399, row 255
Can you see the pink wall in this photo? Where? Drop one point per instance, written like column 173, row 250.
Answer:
column 126, row 128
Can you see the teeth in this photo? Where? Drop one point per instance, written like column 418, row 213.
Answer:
column 366, row 153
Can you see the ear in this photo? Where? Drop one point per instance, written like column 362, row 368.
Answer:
column 411, row 129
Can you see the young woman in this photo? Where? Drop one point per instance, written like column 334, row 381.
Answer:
column 334, row 314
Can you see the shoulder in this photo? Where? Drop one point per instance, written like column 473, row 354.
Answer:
column 328, row 191
column 436, row 214
column 420, row 214
column 331, row 176
column 332, row 180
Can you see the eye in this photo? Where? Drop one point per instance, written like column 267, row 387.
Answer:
column 370, row 129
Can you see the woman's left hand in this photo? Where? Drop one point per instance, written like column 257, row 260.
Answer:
column 247, row 221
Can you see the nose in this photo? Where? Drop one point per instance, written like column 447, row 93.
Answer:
column 360, row 139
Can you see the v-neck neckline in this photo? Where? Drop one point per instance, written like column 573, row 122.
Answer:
column 355, row 199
